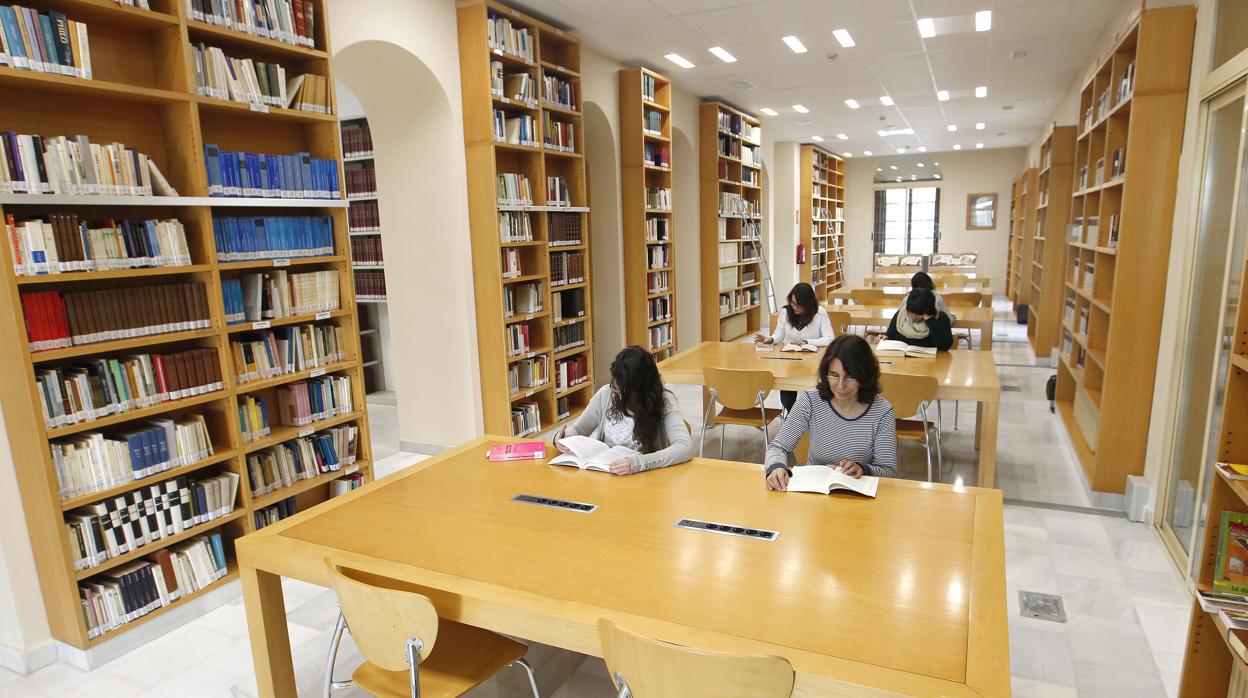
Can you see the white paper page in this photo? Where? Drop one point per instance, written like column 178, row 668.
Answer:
column 810, row 478
column 582, row 450
column 867, row 484
column 603, row 460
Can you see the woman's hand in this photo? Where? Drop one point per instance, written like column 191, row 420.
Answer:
column 623, row 466
column 778, row 480
column 762, row 339
column 799, row 341
column 559, row 437
column 848, row 467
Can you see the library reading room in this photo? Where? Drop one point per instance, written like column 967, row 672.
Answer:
column 602, row 348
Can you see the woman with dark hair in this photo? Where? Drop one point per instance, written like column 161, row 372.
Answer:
column 921, row 324
column 851, row 426
column 635, row 411
column 922, row 280
column 802, row 321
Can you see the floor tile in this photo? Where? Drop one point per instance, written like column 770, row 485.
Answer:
column 1096, row 681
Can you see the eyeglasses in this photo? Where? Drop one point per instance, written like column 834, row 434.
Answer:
column 843, row 380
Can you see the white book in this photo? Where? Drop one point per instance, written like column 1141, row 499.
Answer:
column 590, row 454
column 800, row 347
column 823, row 479
column 892, row 347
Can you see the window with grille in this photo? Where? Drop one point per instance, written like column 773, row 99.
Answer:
column 907, row 220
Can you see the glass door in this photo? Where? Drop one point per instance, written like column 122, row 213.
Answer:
column 1209, row 322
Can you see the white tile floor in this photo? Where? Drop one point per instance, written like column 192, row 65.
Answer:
column 1126, row 604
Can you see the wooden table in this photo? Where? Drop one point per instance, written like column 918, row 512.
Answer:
column 962, row 375
column 899, row 595
column 900, row 279
column 880, row 316
column 894, row 295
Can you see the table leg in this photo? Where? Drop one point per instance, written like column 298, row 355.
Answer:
column 986, row 428
column 985, row 337
column 979, row 424
column 266, row 624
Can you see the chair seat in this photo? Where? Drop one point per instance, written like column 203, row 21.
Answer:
column 463, row 657
column 912, row 429
column 750, row 417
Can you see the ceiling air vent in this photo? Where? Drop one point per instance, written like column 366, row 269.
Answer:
column 743, row 84
column 1018, row 53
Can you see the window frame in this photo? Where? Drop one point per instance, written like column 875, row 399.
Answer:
column 880, row 219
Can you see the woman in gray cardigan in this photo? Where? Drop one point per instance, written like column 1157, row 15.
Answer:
column 636, row 412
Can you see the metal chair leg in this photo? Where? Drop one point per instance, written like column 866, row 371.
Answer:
column 927, row 445
column 723, row 429
column 706, row 419
column 955, row 415
column 762, row 410
column 940, row 411
column 940, row 460
column 335, row 641
column 528, row 669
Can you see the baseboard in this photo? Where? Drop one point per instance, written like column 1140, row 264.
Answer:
column 28, row 661
column 420, row 447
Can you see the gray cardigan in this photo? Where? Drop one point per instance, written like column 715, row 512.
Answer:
column 679, row 445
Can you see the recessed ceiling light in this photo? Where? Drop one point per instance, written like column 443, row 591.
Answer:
column 867, row 153
column 769, row 111
column 957, row 147
column 892, row 167
column 817, row 139
column 679, row 60
column 922, row 165
column 851, row 103
column 722, row 54
column 936, row 176
column 900, row 151
column 897, row 132
column 979, row 126
column 800, row 109
column 886, row 101
column 942, row 95
column 927, row 27
column 842, row 136
column 935, row 164
column 983, row 20
column 979, row 145
column 951, row 128
column 879, row 169
column 914, row 176
column 842, row 35
column 922, row 149
column 848, row 155
column 981, row 91
column 795, row 44
column 899, row 179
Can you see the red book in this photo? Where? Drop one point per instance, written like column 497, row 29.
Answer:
column 524, row 450
column 158, row 367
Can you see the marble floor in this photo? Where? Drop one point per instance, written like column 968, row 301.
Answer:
column 1126, row 604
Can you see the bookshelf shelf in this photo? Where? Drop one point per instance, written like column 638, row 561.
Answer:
column 280, row 262
column 292, row 320
column 282, row 433
column 270, row 498
column 730, row 216
column 822, row 188
column 257, row 385
column 1116, row 236
column 158, row 113
column 1054, row 180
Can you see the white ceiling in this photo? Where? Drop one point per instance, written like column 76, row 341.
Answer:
column 890, row 58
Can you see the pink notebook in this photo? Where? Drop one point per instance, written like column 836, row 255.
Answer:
column 525, row 450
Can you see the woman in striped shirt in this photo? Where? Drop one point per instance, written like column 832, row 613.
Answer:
column 851, row 427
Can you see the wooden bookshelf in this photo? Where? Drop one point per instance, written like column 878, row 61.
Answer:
column 649, row 230
column 143, row 95
column 1116, row 280
column 731, row 219
column 1054, row 179
column 556, row 55
column 1022, row 217
column 822, row 219
column 1217, row 655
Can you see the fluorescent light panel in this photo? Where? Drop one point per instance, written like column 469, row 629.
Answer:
column 795, row 44
column 981, row 91
column 901, row 150
column 892, row 167
column 842, row 136
column 927, row 27
column 952, row 128
column 769, row 111
column 886, row 101
column 897, row 132
column 852, row 103
column 867, row 153
column 800, row 109
column 817, row 139
column 679, row 60
column 722, row 55
column 842, row 35
column 979, row 145
column 848, row 155
column 979, row 126
column 957, row 147
column 983, row 20
column 942, row 95
column 922, row 149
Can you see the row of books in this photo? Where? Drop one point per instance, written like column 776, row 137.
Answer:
column 363, row 217
column 526, row 419
column 514, row 226
column 310, row 92
column 557, row 192
column 657, row 282
column 304, row 458
column 119, row 596
column 361, row 181
column 657, row 229
column 563, row 407
column 522, row 298
column 46, row 42
column 245, row 239
column 652, row 122
column 253, row 417
column 571, row 372
column 560, row 92
column 35, row 164
column 345, row 484
column 128, row 522
column 567, row 304
column 513, row 86
column 292, row 176
column 729, row 122
column 659, row 309
column 94, row 462
column 565, row 229
column 648, row 85
column 733, row 204
column 751, row 155
column 64, row 243
column 510, row 263
column 658, row 256
column 272, row 514
column 660, row 335
column 300, row 404
column 519, row 338
column 366, row 252
column 288, row 21
column 370, row 285
column 567, row 268
column 100, row 387
column 271, row 295
column 527, row 374
column 504, row 36
column 56, row 319
column 238, row 79
column 659, row 198
column 558, row 135
column 657, row 154
column 729, row 147
column 728, row 253
column 357, row 140
column 514, row 189
column 520, row 129
column 569, row 336
column 282, row 351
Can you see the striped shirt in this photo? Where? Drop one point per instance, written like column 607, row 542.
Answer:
column 870, row 439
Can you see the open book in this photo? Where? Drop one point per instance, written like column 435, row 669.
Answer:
column 892, row 347
column 590, row 454
column 800, row 347
column 822, row 479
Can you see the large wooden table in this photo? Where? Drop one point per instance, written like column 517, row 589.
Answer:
column 880, row 316
column 962, row 375
column 902, row 595
column 899, row 279
column 896, row 294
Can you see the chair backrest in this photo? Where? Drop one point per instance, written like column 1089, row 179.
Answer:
column 866, row 296
column 953, row 280
column 840, row 321
column 655, row 669
column 802, row 449
column 907, row 393
column 383, row 619
column 963, row 299
column 737, row 388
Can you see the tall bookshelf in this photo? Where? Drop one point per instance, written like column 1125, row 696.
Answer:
column 649, row 226
column 530, row 258
column 1022, row 221
column 1132, row 106
column 731, row 183
column 1054, row 179
column 367, row 261
column 144, row 95
column 822, row 219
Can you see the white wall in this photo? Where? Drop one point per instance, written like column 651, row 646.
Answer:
column 964, row 172
column 23, row 621
column 685, row 190
column 785, row 205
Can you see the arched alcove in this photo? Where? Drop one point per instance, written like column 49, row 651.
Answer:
column 688, row 236
column 606, row 239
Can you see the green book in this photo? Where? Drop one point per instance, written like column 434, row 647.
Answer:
column 1231, row 570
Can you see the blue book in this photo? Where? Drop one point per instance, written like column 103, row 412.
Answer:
column 305, row 176
column 162, row 444
column 253, row 174
column 48, row 35
column 212, row 159
column 134, row 443
column 244, row 176
column 218, row 551
column 262, row 175
column 13, row 36
column 227, row 174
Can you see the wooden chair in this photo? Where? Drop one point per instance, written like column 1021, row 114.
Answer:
column 911, row 395
column 642, row 667
column 741, row 394
column 963, row 299
column 840, row 320
column 866, row 296
column 953, row 280
column 397, row 629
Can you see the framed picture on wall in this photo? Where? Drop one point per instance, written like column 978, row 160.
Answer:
column 981, row 211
